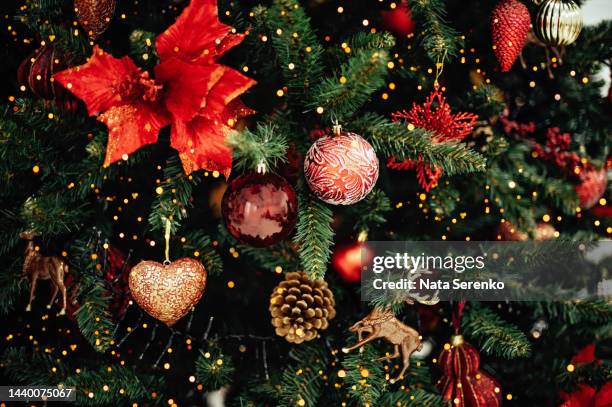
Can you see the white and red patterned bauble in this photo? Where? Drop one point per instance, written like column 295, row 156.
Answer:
column 341, row 169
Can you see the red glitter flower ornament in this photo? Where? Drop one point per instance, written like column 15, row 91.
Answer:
column 434, row 115
column 198, row 96
column 587, row 396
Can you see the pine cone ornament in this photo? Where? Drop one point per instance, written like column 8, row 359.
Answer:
column 301, row 307
column 510, row 23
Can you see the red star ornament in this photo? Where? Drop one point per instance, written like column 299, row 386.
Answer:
column 434, row 115
column 190, row 91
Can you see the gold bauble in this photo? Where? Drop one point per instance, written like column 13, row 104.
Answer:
column 558, row 22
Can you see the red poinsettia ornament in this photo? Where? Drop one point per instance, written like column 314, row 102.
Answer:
column 190, row 91
column 434, row 115
column 584, row 395
column 587, row 396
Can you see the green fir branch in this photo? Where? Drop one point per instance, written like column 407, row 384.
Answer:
column 395, row 139
column 43, row 369
column 301, row 381
column 125, row 387
column 12, row 286
column 440, row 41
column 486, row 101
column 102, row 386
column 93, row 316
column 10, row 227
column 415, row 397
column 577, row 312
column 198, row 241
column 175, row 197
column 53, row 215
column 314, row 235
column 284, row 254
column 494, row 336
column 142, row 48
column 213, row 368
column 371, row 212
column 363, row 41
column 265, row 146
column 295, row 43
column 596, row 373
column 365, row 377
column 342, row 95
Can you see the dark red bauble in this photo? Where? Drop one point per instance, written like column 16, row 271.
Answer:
column 348, row 260
column 36, row 72
column 116, row 273
column 602, row 211
column 399, row 20
column 259, row 209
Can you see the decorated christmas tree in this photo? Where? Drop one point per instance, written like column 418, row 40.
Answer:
column 189, row 188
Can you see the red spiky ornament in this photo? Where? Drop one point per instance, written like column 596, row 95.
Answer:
column 510, row 22
column 435, row 115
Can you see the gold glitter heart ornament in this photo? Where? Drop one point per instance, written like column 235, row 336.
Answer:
column 167, row 291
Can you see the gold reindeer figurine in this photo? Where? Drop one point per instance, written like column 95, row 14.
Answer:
column 38, row 267
column 382, row 324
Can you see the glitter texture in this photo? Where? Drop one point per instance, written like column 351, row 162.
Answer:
column 167, row 292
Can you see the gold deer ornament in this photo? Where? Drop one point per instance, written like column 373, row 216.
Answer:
column 382, row 324
column 38, row 267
